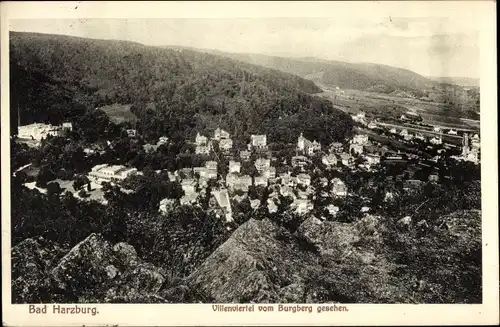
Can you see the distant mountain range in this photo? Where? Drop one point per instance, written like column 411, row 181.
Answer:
column 460, row 94
column 358, row 76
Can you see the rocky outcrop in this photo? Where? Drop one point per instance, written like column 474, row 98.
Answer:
column 354, row 267
column 92, row 271
column 113, row 273
column 324, row 262
column 371, row 260
column 253, row 265
column 31, row 262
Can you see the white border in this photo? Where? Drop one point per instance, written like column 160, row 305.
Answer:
column 195, row 314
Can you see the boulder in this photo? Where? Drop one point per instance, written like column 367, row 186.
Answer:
column 85, row 265
column 31, row 262
column 253, row 265
column 95, row 270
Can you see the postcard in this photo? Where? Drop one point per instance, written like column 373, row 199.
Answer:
column 249, row 163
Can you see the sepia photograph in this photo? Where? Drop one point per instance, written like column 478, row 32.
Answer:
column 234, row 161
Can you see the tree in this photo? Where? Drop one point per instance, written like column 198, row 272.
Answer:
column 53, row 189
column 44, row 176
column 83, row 194
column 80, row 181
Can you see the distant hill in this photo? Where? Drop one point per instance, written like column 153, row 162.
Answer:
column 359, row 76
column 462, row 101
column 172, row 92
column 461, row 81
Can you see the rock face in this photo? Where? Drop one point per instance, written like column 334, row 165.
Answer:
column 323, row 262
column 253, row 266
column 371, row 260
column 31, row 262
column 368, row 261
column 353, row 263
column 92, row 271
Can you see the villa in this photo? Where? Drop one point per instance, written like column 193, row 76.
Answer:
column 307, row 147
column 259, row 141
column 110, row 173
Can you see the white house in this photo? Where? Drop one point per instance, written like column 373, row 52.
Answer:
column 408, row 137
column 475, row 142
column 245, row 155
column 131, row 132
column 202, row 149
column 372, row 159
column 360, row 139
column 211, row 165
column 222, row 197
column 262, row 164
column 67, row 126
column 189, row 199
column 200, row 139
column 162, row 140
column 255, row 204
column 110, row 173
column 271, row 206
column 302, row 206
column 188, row 185
column 226, row 144
column 234, row 166
column 333, row 210
column 38, row 131
column 304, row 179
column 329, row 160
column 356, row 148
column 260, row 181
column 346, row 159
column 338, row 187
column 359, row 117
column 452, row 132
column 299, row 161
column 259, row 141
column 307, row 147
column 436, row 140
column 220, row 134
column 270, row 172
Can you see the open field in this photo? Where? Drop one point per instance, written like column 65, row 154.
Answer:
column 119, row 113
column 353, row 101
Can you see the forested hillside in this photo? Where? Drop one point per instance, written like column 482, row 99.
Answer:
column 463, row 101
column 359, row 76
column 172, row 92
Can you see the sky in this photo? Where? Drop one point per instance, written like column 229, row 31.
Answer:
column 430, row 46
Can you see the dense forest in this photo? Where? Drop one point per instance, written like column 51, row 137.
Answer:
column 358, row 76
column 172, row 92
column 374, row 78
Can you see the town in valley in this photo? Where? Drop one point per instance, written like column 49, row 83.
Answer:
column 308, row 173
column 146, row 173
